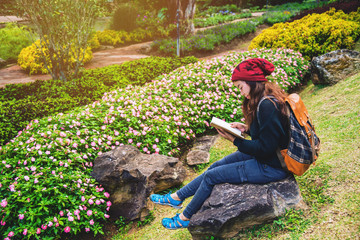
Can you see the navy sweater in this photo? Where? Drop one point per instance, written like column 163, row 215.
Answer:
column 272, row 133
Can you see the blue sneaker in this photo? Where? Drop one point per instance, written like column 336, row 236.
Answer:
column 175, row 222
column 165, row 200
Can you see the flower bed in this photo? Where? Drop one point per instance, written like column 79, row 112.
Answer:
column 45, row 186
column 346, row 7
column 20, row 103
column 314, row 34
column 219, row 18
column 205, row 40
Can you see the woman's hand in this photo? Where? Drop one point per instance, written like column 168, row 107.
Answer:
column 241, row 126
column 226, row 135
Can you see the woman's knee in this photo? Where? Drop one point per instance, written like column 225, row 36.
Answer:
column 208, row 177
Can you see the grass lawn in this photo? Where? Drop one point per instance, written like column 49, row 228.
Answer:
column 331, row 188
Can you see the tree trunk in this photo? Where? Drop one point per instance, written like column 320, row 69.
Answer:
column 187, row 12
column 189, row 16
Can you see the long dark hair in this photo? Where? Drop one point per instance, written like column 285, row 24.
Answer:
column 257, row 91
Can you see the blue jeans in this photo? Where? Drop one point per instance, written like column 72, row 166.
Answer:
column 235, row 168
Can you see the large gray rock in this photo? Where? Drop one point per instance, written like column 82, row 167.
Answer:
column 334, row 66
column 199, row 153
column 231, row 208
column 130, row 177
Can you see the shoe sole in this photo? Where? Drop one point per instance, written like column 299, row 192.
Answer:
column 168, row 204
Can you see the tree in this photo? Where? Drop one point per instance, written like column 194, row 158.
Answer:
column 64, row 28
column 187, row 12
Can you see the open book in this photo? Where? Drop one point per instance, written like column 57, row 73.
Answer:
column 218, row 123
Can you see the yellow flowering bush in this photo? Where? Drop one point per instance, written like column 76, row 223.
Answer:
column 30, row 58
column 118, row 38
column 94, row 41
column 313, row 35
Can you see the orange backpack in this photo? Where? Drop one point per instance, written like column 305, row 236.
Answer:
column 304, row 145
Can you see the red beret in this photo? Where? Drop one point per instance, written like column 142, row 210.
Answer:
column 253, row 70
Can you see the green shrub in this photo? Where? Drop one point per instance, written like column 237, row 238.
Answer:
column 219, row 18
column 49, row 97
column 206, row 40
column 46, row 168
column 12, row 40
column 312, row 35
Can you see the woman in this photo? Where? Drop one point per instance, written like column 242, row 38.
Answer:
column 256, row 160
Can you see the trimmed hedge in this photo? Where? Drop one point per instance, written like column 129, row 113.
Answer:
column 20, row 103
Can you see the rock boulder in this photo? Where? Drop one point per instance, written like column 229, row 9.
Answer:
column 231, row 208
column 334, row 66
column 199, row 153
column 130, row 177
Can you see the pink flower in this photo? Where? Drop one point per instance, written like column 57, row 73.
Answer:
column 2, row 223
column 50, row 224
column 25, row 231
column 38, row 231
column 91, row 222
column 90, row 201
column 61, row 213
column 43, row 227
column 26, row 178
column 106, row 215
column 67, row 229
column 130, row 140
column 82, row 198
column 108, row 203
column 11, row 234
column 3, row 203
column 36, row 180
column 89, row 213
column 21, row 216
column 106, row 194
column 87, row 229
column 71, row 218
column 97, row 202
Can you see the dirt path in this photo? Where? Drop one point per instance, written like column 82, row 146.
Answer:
column 14, row 74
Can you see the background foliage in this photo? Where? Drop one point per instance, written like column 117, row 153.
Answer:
column 313, row 35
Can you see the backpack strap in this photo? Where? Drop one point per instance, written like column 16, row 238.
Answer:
column 278, row 151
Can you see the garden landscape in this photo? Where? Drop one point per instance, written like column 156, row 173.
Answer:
column 53, row 129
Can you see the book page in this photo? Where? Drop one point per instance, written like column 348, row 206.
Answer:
column 218, row 123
